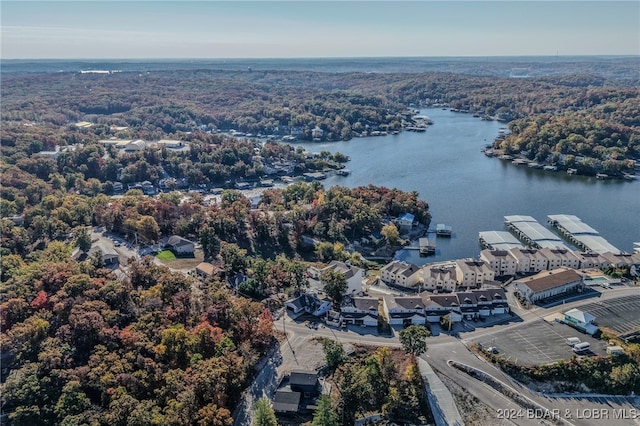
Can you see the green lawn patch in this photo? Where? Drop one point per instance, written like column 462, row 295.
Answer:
column 166, row 255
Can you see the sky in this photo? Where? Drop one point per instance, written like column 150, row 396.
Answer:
column 110, row 29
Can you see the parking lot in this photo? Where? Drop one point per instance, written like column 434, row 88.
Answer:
column 539, row 342
column 621, row 314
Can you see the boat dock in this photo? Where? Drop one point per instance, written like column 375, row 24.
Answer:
column 426, row 247
column 581, row 234
column 443, row 230
column 532, row 233
column 498, row 240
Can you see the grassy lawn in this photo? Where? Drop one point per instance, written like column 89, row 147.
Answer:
column 166, row 255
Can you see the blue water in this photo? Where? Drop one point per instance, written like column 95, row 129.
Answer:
column 472, row 193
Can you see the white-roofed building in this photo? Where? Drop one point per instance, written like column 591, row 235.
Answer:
column 498, row 240
column 581, row 234
column 583, row 321
column 531, row 232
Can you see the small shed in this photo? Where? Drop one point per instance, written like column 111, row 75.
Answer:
column 583, row 321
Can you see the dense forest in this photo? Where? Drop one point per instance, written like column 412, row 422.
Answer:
column 81, row 347
column 572, row 120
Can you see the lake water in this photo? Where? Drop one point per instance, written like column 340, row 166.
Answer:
column 472, row 192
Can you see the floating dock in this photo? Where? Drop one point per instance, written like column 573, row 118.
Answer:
column 581, row 234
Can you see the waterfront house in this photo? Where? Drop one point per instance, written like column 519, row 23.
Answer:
column 546, row 284
column 400, row 274
column 473, row 273
column 405, row 222
column 500, row 261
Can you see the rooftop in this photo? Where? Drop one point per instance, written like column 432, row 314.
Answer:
column 546, row 280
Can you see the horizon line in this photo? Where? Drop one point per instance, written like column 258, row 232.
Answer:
column 629, row 55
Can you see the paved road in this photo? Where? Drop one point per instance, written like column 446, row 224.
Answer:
column 584, row 411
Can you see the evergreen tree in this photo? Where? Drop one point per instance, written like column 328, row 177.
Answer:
column 264, row 414
column 325, row 414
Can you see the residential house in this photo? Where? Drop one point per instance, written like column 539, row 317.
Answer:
column 439, row 277
column 491, row 301
column 180, row 246
column 437, row 306
column 400, row 274
column 500, row 261
column 108, row 255
column 353, row 275
column 546, row 284
column 286, row 401
column 473, row 273
column 309, row 303
column 305, row 382
column 404, row 310
column 205, row 270
column 469, row 304
column 405, row 222
column 360, row 311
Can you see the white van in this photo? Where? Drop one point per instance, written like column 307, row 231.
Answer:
column 572, row 341
column 581, row 347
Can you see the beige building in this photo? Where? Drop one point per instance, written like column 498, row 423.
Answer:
column 401, row 274
column 558, row 258
column 591, row 260
column 439, row 278
column 546, row 284
column 528, row 260
column 473, row 273
column 500, row 261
